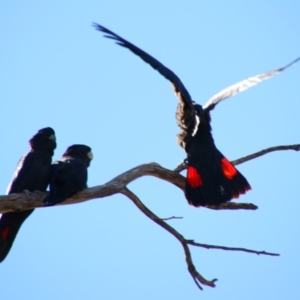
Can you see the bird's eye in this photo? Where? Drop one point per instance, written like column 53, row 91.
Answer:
column 52, row 137
column 90, row 155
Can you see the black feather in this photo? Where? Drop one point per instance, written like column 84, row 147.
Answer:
column 32, row 173
column 69, row 174
column 208, row 183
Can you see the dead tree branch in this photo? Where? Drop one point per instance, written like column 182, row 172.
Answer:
column 27, row 200
column 18, row 202
column 184, row 242
column 207, row 246
column 188, row 257
column 241, row 160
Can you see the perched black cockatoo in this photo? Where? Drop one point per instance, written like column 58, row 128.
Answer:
column 69, row 174
column 211, row 178
column 32, row 173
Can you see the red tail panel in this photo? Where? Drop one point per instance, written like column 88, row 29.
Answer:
column 228, row 169
column 193, row 177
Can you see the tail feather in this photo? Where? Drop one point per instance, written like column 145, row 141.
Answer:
column 238, row 186
column 241, row 182
column 220, row 182
column 10, row 224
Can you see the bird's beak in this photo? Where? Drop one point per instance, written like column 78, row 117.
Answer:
column 90, row 155
column 52, row 137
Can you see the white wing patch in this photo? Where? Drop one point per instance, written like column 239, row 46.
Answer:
column 244, row 85
column 196, row 125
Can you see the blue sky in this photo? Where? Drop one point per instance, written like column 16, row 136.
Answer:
column 56, row 70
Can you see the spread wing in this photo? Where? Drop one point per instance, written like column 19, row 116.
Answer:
column 243, row 85
column 154, row 63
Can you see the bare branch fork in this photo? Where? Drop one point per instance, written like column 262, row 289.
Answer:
column 184, row 242
column 27, row 200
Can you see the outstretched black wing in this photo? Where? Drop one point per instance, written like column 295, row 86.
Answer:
column 164, row 71
column 243, row 85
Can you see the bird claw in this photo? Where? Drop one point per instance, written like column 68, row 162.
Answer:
column 48, row 203
column 181, row 166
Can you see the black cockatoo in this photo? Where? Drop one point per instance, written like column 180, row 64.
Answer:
column 32, row 173
column 69, row 174
column 211, row 179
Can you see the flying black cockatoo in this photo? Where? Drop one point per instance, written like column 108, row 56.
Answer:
column 32, row 173
column 69, row 174
column 211, row 179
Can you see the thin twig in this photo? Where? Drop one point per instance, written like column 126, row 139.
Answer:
column 171, row 218
column 194, row 273
column 207, row 246
column 296, row 147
